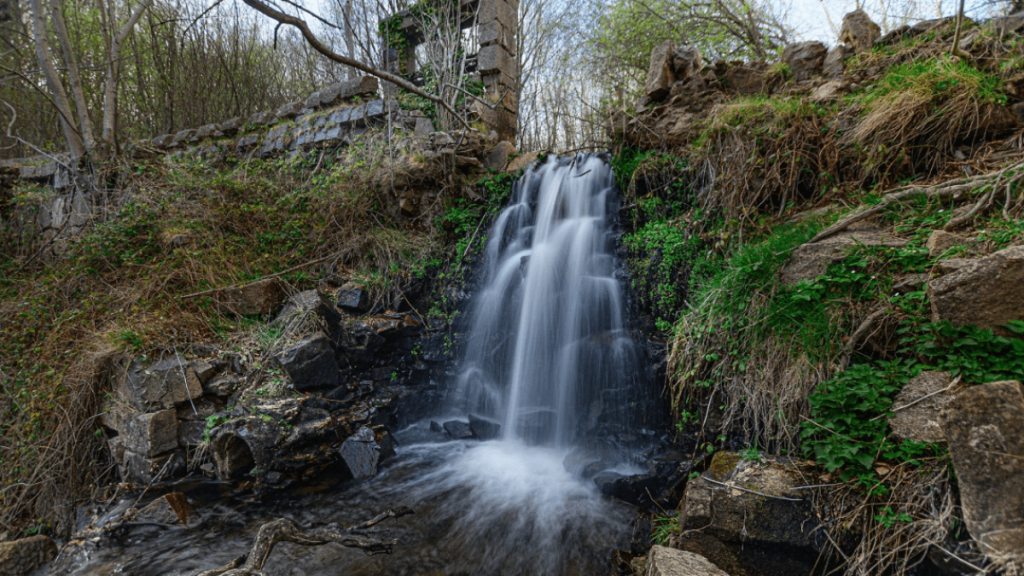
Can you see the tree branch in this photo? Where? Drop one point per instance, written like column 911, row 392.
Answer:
column 323, row 49
column 284, row 530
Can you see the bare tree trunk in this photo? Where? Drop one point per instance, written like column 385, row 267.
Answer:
column 60, row 97
column 350, row 42
column 113, row 67
column 956, row 51
column 76, row 79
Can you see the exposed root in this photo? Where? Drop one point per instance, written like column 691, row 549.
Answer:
column 284, row 530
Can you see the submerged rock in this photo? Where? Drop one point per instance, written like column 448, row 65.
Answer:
column 172, row 508
column 353, row 300
column 458, row 430
column 483, row 429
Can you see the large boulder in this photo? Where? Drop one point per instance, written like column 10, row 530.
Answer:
column 811, row 260
column 686, row 62
column 984, row 426
column 985, row 292
column 859, row 31
column 310, row 363
column 662, row 561
column 739, row 500
column 659, row 74
column 918, row 405
column 21, row 557
column 804, row 59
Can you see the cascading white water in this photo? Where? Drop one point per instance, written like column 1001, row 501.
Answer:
column 546, row 338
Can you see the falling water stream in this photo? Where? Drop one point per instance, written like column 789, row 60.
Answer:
column 547, row 356
column 547, row 337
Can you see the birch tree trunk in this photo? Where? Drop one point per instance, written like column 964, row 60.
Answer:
column 73, row 75
column 76, row 147
column 113, row 70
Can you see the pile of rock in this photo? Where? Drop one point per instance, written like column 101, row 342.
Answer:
column 353, row 376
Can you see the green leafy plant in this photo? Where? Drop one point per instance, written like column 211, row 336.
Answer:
column 663, row 528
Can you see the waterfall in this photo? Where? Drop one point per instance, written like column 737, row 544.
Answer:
column 547, row 349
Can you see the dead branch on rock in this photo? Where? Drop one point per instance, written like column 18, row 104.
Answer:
column 949, row 189
column 322, row 48
column 284, row 530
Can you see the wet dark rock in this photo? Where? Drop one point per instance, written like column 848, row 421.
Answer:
column 20, row 557
column 585, row 461
column 483, row 429
column 172, row 508
column 200, row 409
column 435, row 427
column 536, row 427
column 362, row 453
column 458, row 430
column 191, row 432
column 283, row 434
column 631, row 489
column 308, row 311
column 310, row 364
column 308, row 444
column 357, row 345
column 146, row 470
column 203, row 369
column 353, row 300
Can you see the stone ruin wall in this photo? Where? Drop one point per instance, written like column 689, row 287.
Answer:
column 496, row 64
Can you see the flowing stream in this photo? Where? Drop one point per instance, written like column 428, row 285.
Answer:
column 547, row 357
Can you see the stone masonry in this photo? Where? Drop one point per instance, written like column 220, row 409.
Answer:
column 496, row 61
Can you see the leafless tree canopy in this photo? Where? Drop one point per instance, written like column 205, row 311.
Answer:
column 84, row 75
